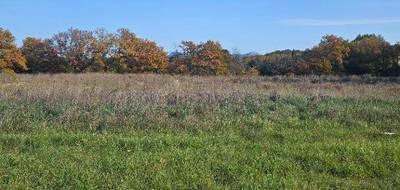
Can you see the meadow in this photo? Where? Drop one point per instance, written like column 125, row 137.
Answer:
column 144, row 131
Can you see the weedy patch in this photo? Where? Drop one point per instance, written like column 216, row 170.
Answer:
column 108, row 131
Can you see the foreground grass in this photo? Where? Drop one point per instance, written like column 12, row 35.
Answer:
column 258, row 141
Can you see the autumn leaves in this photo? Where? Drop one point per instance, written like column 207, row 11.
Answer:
column 80, row 51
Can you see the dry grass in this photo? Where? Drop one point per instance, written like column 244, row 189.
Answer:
column 146, row 88
column 109, row 131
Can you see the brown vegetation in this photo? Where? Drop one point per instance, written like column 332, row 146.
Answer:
column 154, row 89
column 80, row 51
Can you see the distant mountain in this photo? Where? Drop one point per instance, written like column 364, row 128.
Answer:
column 174, row 53
column 253, row 53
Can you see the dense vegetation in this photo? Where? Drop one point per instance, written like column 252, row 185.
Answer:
column 79, row 51
column 109, row 131
column 330, row 129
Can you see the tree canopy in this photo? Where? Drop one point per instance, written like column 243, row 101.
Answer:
column 80, row 51
column 207, row 58
column 11, row 58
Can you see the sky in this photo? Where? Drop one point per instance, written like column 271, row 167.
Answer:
column 241, row 25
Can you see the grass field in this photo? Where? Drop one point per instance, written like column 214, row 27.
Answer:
column 106, row 131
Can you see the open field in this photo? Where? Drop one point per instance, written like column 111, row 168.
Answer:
column 108, row 131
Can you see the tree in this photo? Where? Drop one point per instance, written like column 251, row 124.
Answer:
column 284, row 62
column 335, row 50
column 210, row 59
column 369, row 54
column 136, row 55
column 41, row 57
column 102, row 47
column 75, row 48
column 178, row 63
column 254, row 61
column 317, row 63
column 396, row 49
column 11, row 58
column 328, row 57
column 393, row 67
column 207, row 58
column 236, row 64
column 181, row 61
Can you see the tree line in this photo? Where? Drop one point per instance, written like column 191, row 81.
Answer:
column 81, row 51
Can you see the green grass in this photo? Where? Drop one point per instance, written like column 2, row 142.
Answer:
column 294, row 142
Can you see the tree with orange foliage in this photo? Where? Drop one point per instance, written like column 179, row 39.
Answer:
column 328, row 57
column 200, row 59
column 335, row 50
column 11, row 58
column 135, row 55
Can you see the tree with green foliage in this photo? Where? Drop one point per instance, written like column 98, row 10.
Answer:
column 11, row 58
